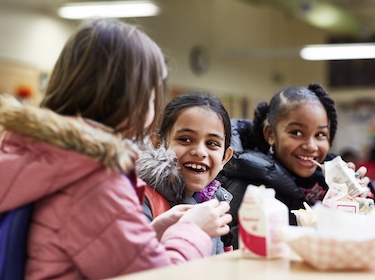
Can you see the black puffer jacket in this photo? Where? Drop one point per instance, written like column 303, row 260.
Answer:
column 250, row 166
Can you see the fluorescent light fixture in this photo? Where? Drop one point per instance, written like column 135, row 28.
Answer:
column 325, row 16
column 338, row 51
column 110, row 9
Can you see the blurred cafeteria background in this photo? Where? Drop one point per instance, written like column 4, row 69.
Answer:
column 241, row 50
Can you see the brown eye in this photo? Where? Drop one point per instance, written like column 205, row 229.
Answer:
column 297, row 133
column 213, row 144
column 184, row 139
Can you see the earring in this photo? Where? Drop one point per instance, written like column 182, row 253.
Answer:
column 271, row 150
column 270, row 142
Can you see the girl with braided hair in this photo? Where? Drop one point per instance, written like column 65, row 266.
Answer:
column 276, row 149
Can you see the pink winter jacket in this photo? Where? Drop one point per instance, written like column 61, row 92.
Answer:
column 87, row 221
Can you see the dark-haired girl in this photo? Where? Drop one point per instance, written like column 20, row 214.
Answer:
column 196, row 127
column 278, row 147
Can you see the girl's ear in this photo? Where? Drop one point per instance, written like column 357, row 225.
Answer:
column 268, row 134
column 227, row 155
column 155, row 140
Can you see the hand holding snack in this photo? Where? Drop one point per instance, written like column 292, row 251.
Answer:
column 340, row 172
column 348, row 189
column 360, row 174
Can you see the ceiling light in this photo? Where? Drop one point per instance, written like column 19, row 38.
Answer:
column 338, row 51
column 111, row 9
column 324, row 17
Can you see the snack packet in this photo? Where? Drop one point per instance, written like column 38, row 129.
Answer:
column 337, row 198
column 366, row 205
column 337, row 171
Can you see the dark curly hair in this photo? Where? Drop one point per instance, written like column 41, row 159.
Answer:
column 283, row 102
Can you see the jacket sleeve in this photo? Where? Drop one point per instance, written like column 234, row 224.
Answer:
column 219, row 245
column 109, row 235
column 147, row 210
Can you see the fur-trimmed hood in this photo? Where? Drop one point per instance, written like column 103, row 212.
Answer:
column 71, row 133
column 159, row 169
column 43, row 153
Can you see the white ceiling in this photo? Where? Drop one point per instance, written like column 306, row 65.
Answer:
column 365, row 9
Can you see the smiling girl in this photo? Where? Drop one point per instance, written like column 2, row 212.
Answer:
column 196, row 127
column 301, row 126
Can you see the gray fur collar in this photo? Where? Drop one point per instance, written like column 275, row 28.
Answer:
column 71, row 133
column 159, row 169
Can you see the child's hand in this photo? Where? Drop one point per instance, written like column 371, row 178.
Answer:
column 211, row 216
column 168, row 218
column 360, row 174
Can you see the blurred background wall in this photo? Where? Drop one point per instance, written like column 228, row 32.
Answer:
column 244, row 51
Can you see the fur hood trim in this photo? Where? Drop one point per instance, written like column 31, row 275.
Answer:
column 159, row 169
column 72, row 133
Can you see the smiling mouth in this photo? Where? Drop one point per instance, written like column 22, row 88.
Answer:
column 196, row 167
column 306, row 158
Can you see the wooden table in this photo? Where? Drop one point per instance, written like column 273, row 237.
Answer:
column 231, row 266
